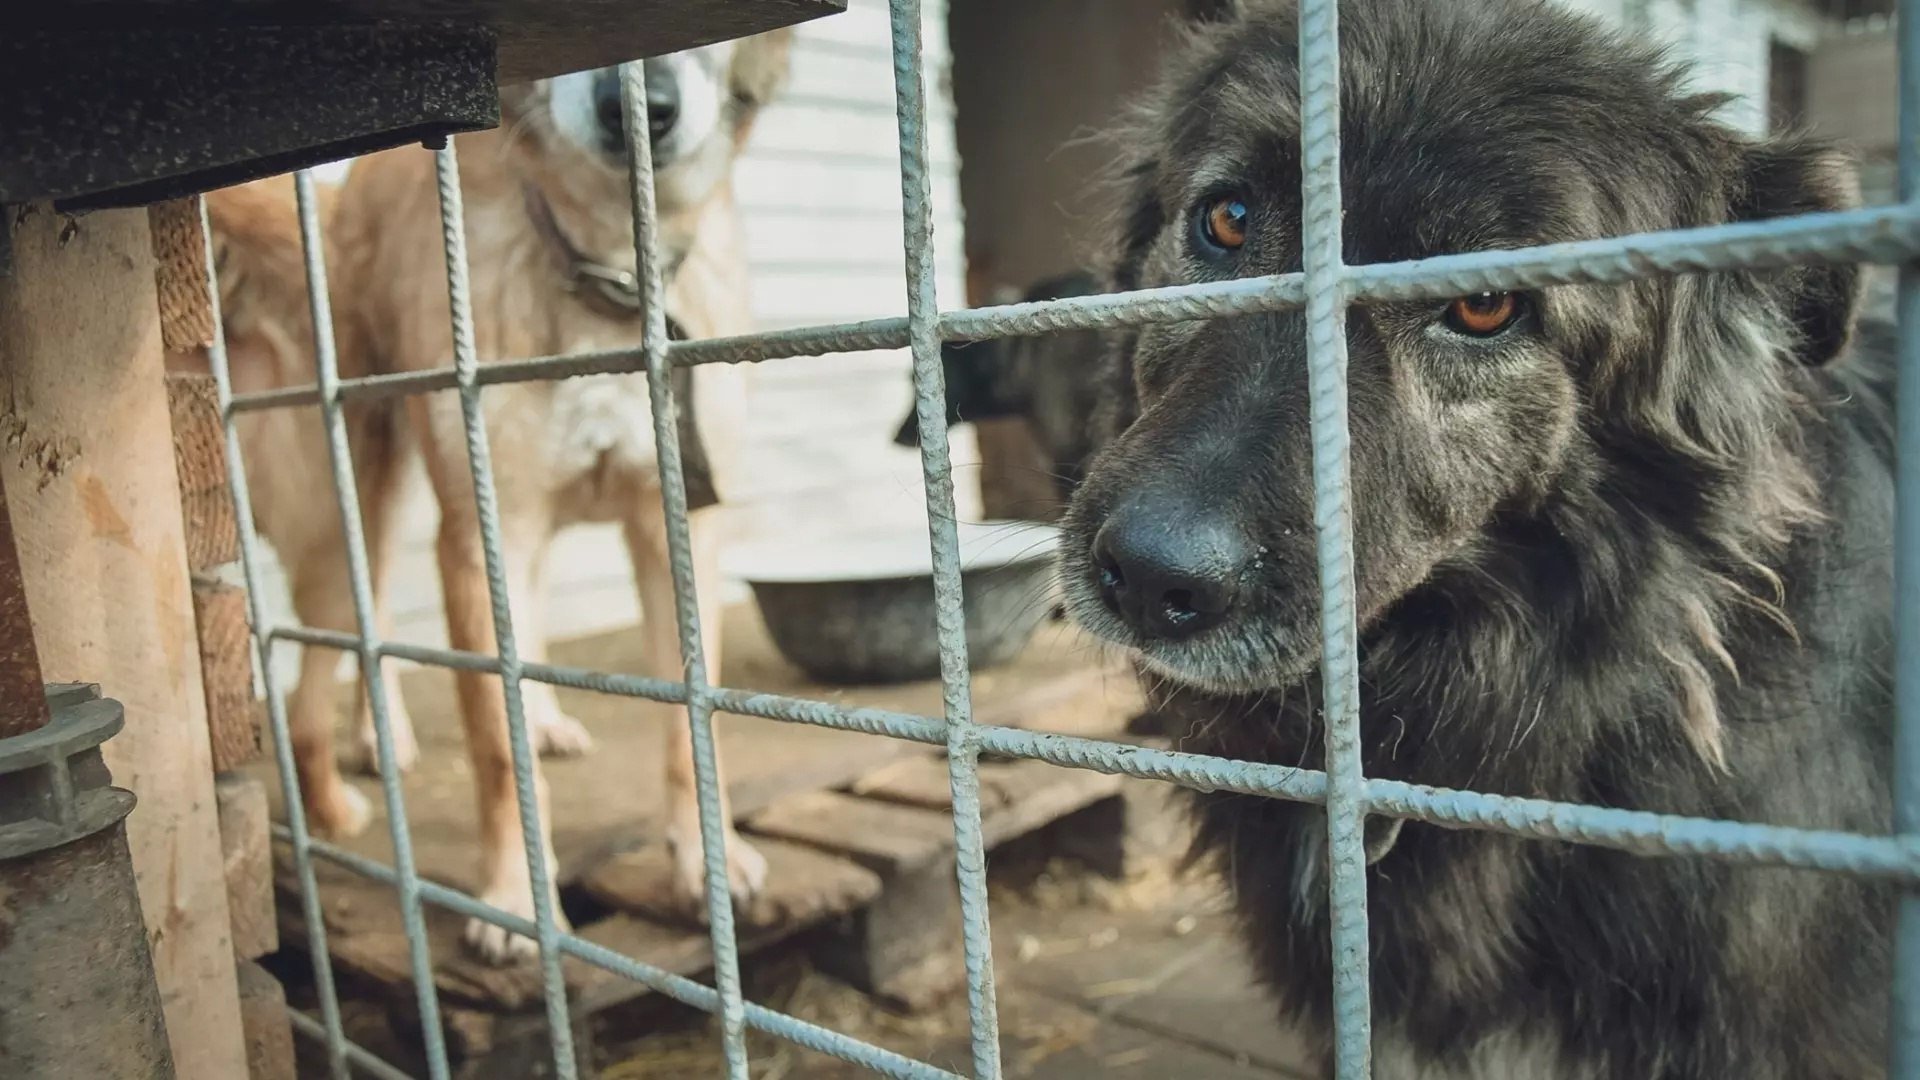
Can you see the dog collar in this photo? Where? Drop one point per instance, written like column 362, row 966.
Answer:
column 612, row 291
column 615, row 293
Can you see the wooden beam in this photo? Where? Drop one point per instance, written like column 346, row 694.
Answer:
column 537, row 38
column 88, row 470
column 200, row 465
column 246, row 837
column 226, row 673
column 180, row 275
column 263, row 1015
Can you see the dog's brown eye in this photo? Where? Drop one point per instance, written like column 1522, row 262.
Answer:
column 1483, row 315
column 1224, row 223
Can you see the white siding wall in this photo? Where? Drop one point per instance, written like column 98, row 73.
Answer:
column 1725, row 40
column 820, row 193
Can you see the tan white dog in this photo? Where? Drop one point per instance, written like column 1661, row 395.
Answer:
column 550, row 246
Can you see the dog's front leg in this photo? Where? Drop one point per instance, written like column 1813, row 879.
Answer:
column 506, row 882
column 554, row 733
column 660, row 658
column 406, row 748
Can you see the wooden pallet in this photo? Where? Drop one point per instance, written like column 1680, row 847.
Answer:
column 857, row 830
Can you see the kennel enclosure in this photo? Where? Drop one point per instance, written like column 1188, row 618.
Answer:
column 1323, row 289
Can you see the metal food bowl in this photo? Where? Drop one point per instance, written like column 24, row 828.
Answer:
column 857, row 609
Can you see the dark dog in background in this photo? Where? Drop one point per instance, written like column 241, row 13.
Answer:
column 1046, row 379
column 1624, row 545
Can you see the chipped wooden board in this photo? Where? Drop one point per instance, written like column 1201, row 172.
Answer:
column 895, row 837
column 803, row 886
column 888, row 838
column 1034, row 793
column 916, row 781
column 923, row 782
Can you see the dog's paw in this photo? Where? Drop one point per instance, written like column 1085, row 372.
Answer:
column 559, row 735
column 345, row 814
column 498, row 945
column 746, row 874
column 406, row 750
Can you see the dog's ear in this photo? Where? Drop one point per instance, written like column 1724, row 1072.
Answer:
column 1787, row 176
column 966, row 397
column 760, row 66
column 909, row 433
column 755, row 75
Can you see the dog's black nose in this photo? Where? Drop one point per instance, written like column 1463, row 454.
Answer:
column 1168, row 571
column 606, row 109
column 663, row 101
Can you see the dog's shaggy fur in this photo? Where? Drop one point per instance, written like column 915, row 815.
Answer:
column 1633, row 550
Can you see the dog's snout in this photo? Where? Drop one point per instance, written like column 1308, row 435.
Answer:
column 606, row 109
column 663, row 105
column 1169, row 571
column 663, row 102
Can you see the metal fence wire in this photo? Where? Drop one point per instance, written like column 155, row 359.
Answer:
column 1325, row 288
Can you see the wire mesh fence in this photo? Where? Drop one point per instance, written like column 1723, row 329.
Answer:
column 1325, row 288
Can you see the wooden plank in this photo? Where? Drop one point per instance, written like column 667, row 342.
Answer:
column 1090, row 702
column 920, row 781
column 804, row 886
column 200, row 465
column 1015, row 796
column 895, row 837
column 263, row 1016
column 248, row 847
column 1030, row 794
column 888, row 839
column 180, row 275
column 89, row 475
column 226, row 671
column 904, row 948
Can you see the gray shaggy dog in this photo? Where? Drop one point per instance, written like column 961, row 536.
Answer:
column 1625, row 545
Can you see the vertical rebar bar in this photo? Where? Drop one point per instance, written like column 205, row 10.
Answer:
column 346, row 492
column 673, row 495
column 929, row 383
column 1904, row 1029
column 1324, row 265
column 262, row 630
column 486, row 501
